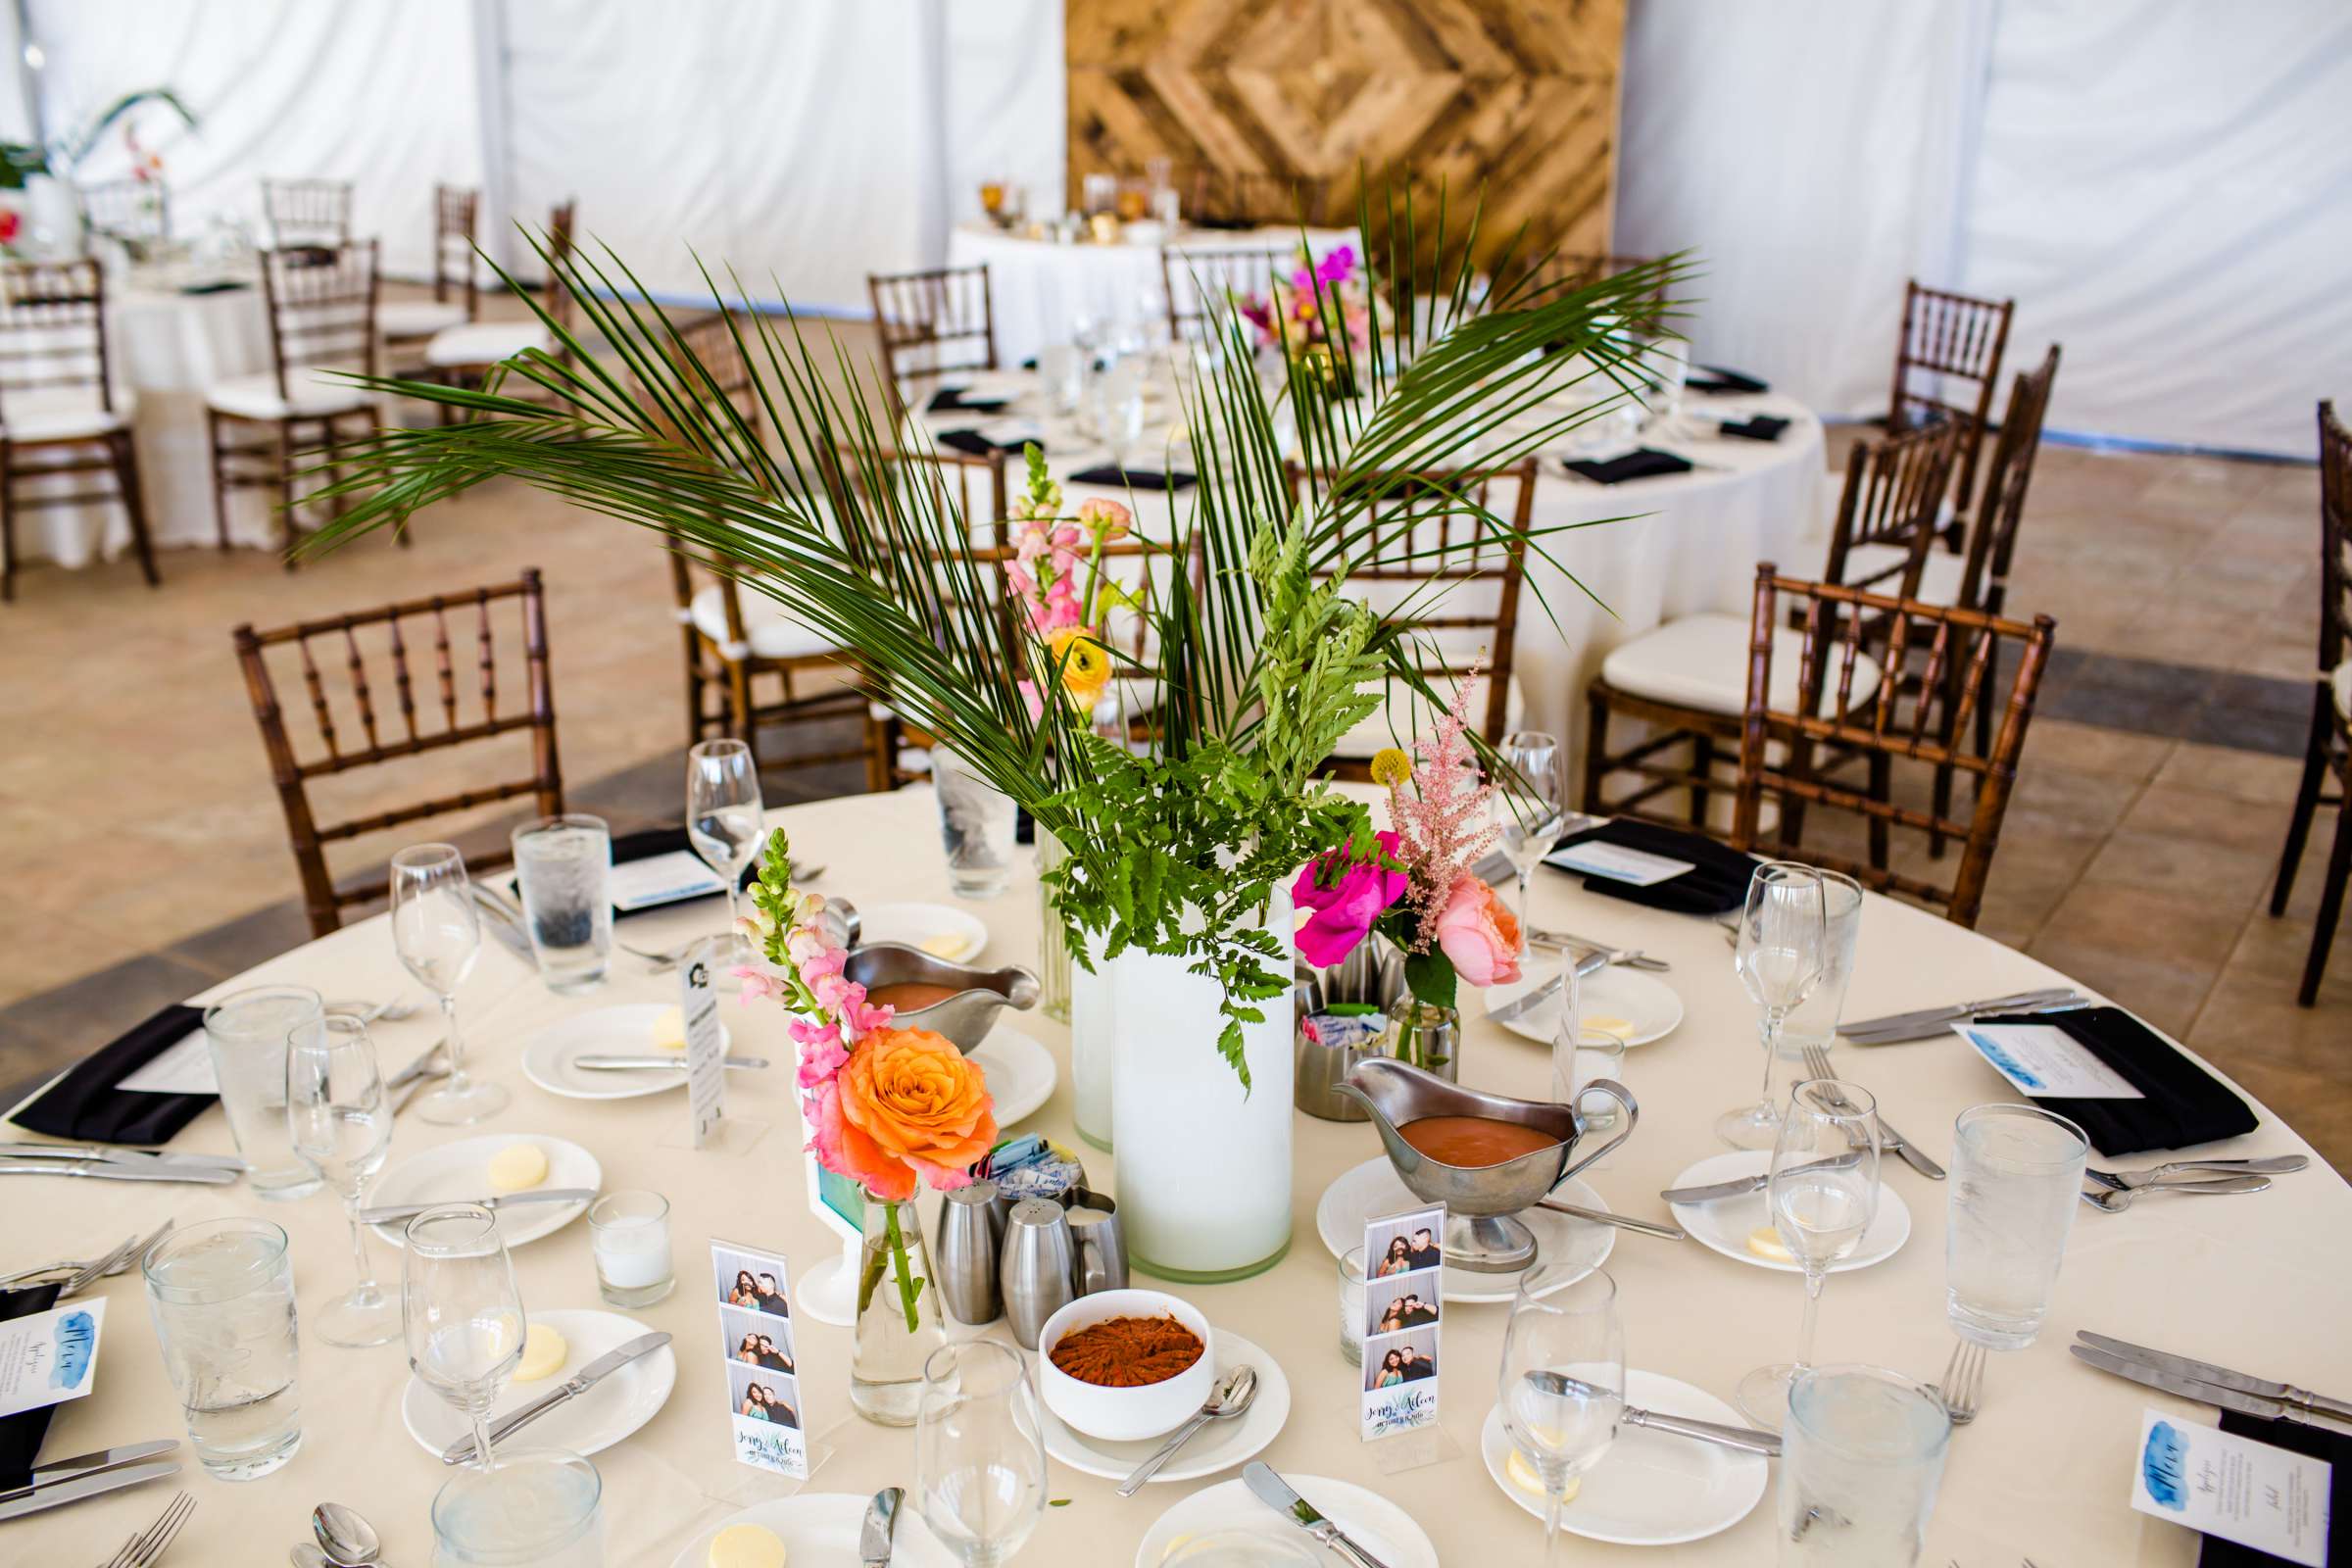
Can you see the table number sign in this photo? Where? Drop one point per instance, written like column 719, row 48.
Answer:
column 2219, row 1483
column 763, row 1384
column 705, row 1047
column 50, row 1356
column 1404, row 1263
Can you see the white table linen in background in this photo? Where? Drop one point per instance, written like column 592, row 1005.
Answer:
column 2256, row 1282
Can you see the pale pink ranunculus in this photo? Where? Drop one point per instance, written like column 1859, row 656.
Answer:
column 1479, row 934
column 1346, row 908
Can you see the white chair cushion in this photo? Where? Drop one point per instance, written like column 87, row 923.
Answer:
column 62, row 416
column 255, row 397
column 417, row 318
column 1940, row 576
column 2341, row 680
column 1409, row 715
column 485, row 343
column 764, row 627
column 1701, row 661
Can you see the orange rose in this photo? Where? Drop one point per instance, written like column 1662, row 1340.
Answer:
column 920, row 1101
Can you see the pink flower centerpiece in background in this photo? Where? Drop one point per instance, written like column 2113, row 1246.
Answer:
column 1298, row 311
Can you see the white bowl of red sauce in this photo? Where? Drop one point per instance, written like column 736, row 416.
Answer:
column 1119, row 1376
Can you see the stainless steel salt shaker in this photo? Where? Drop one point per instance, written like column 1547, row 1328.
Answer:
column 1102, row 1242
column 1040, row 1267
column 969, row 1239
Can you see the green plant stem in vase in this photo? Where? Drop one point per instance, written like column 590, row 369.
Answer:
column 899, row 1318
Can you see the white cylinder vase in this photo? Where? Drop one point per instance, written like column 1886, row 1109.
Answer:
column 1204, row 1167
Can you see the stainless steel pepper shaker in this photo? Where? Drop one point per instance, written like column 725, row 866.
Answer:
column 969, row 1240
column 1040, row 1267
column 1102, row 1242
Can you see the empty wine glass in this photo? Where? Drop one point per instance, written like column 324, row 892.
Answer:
column 439, row 934
column 1823, row 1193
column 1783, row 942
column 1562, row 1380
column 724, row 820
column 979, row 1451
column 460, row 1312
column 338, row 1122
column 1527, row 803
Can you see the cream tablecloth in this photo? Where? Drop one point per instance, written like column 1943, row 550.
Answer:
column 2257, row 1282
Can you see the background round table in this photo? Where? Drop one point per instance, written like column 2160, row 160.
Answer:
column 2253, row 1282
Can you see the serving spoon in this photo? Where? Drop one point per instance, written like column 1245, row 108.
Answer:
column 1229, row 1399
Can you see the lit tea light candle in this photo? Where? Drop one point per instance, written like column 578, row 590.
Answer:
column 628, row 1235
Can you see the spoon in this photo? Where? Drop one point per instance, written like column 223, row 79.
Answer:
column 348, row 1540
column 1229, row 1399
column 2117, row 1202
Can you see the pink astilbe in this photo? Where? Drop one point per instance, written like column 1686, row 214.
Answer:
column 1441, row 826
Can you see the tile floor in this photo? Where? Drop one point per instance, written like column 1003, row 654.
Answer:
column 143, row 854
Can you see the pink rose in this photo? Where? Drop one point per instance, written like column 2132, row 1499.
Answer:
column 1346, row 908
column 1478, row 932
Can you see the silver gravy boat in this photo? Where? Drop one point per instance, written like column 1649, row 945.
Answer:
column 1480, row 1201
column 967, row 1017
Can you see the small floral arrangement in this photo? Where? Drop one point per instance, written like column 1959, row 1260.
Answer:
column 1051, row 554
column 884, row 1107
column 1416, row 887
column 1299, row 312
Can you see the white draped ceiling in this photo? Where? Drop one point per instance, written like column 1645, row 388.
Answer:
column 2161, row 184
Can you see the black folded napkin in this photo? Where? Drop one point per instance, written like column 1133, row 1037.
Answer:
column 978, row 444
column 2317, row 1443
column 949, row 398
column 1133, row 478
column 21, row 1433
column 85, row 1105
column 1641, row 463
column 223, row 286
column 1715, row 378
column 1715, row 884
column 653, row 841
column 1029, row 364
column 2185, row 1105
column 1222, row 222
column 1763, row 427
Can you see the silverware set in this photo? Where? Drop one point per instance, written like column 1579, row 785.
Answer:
column 572, row 1388
column 116, row 1164
column 2205, row 1382
column 149, row 1545
column 1562, row 941
column 89, row 1475
column 403, row 1085
column 2117, row 1190
column 1927, row 1022
column 1816, row 1064
column 80, row 1276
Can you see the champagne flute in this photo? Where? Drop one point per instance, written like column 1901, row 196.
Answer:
column 1562, row 1380
column 1527, row 804
column 439, row 934
column 1782, row 949
column 979, row 1451
column 462, row 1312
column 338, row 1122
column 724, row 820
column 1823, row 1193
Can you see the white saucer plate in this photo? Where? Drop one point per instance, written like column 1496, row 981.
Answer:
column 627, row 1031
column 1726, row 1224
column 460, row 1173
column 1370, row 1520
column 1642, row 1000
column 1649, row 1490
column 1021, row 1074
column 1373, row 1188
column 1218, row 1446
column 616, row 1405
column 917, row 923
column 823, row 1527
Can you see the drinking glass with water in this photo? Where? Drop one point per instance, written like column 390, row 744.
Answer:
column 1862, row 1452
column 222, row 1294
column 563, row 869
column 246, row 1032
column 2017, row 1180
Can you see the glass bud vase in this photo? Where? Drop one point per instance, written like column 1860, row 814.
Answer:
column 1424, row 1036
column 1053, row 938
column 886, row 1364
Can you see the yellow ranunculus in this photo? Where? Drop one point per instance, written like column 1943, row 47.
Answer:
column 1391, row 767
column 1085, row 663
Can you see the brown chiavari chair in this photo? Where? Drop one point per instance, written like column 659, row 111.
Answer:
column 1194, row 279
column 1685, row 680
column 57, row 406
column 1949, row 338
column 135, row 211
column 932, row 324
column 307, row 211
column 2328, row 750
column 465, row 355
column 407, row 325
column 341, row 666
column 1393, row 571
column 1854, row 642
column 321, row 303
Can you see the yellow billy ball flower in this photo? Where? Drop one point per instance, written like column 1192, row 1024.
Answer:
column 1391, row 767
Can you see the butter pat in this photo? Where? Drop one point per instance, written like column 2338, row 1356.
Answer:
column 945, row 944
column 518, row 1167
column 542, row 1355
column 1765, row 1242
column 746, row 1546
column 669, row 1029
column 1523, row 1476
column 1622, row 1028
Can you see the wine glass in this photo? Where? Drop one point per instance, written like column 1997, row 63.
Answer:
column 979, row 1451
column 723, row 820
column 462, row 1312
column 1562, row 1380
column 1783, row 946
column 1823, row 1193
column 438, row 933
column 338, row 1122
column 1526, row 804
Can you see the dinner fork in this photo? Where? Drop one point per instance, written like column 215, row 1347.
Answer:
column 114, row 1262
column 1962, row 1389
column 148, row 1547
column 1817, row 1063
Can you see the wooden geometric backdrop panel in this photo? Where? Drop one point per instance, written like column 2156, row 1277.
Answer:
column 1517, row 96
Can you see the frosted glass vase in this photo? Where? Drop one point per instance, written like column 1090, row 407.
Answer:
column 1204, row 1167
column 1094, row 1035
column 1052, row 938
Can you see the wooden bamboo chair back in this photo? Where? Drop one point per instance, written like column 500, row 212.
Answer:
column 453, row 211
column 52, row 332
column 559, row 245
column 1947, row 363
column 340, row 668
column 1915, row 646
column 138, row 211
column 933, row 322
column 307, row 211
column 321, row 300
column 1992, row 542
column 1195, row 280
column 1893, row 488
column 711, row 343
column 2335, row 540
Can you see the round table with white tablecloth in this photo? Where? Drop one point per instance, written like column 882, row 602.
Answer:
column 2041, row 1473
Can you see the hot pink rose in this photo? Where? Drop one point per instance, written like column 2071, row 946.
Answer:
column 1478, row 932
column 1345, row 908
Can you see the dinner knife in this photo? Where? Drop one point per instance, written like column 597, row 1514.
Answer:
column 572, row 1388
column 1746, row 1438
column 58, row 1493
column 1281, row 1497
column 1601, row 1216
column 673, row 1061
column 2123, row 1181
column 118, row 1170
column 2207, row 1372
column 91, row 1464
column 126, row 1156
column 1929, row 1021
column 881, row 1524
column 2213, row 1394
column 1742, row 1186
column 1520, row 1007
column 397, row 1212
